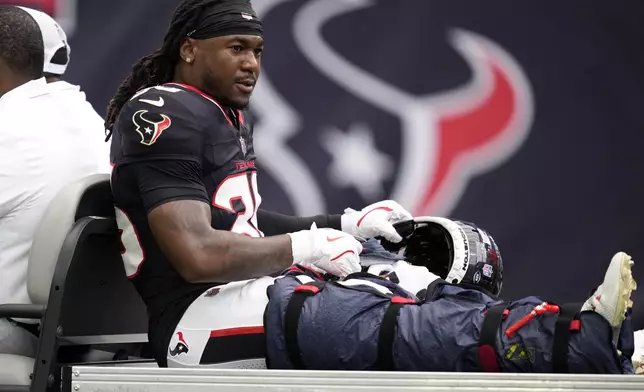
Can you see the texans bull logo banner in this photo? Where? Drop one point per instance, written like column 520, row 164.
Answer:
column 524, row 119
column 422, row 156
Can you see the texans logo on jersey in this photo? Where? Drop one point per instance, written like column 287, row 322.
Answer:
column 149, row 129
column 411, row 113
column 180, row 346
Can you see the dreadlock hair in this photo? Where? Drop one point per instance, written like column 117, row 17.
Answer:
column 158, row 67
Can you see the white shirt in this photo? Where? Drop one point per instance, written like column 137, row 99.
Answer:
column 73, row 101
column 49, row 138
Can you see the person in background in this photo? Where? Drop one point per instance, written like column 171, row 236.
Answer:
column 45, row 145
column 72, row 99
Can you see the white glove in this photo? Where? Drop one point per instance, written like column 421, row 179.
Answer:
column 375, row 220
column 330, row 250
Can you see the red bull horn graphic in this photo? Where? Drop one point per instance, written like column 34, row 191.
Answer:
column 446, row 138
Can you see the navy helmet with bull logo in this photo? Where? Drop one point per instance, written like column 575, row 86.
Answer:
column 457, row 251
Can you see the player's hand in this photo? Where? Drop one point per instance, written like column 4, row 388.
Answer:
column 332, row 251
column 375, row 220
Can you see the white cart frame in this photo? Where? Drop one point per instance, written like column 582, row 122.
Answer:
column 153, row 379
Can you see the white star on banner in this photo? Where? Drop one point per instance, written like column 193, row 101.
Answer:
column 356, row 160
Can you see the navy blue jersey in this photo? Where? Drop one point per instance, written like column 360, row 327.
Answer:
column 173, row 142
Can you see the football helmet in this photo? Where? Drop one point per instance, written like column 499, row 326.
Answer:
column 457, row 251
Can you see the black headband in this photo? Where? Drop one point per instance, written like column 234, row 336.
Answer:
column 228, row 18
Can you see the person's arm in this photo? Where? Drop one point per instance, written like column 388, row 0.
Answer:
column 180, row 218
column 161, row 160
column 161, row 151
column 372, row 221
column 200, row 253
column 274, row 223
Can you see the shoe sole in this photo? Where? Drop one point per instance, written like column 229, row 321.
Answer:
column 626, row 287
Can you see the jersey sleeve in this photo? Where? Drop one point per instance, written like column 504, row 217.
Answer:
column 159, row 124
column 159, row 148
column 162, row 181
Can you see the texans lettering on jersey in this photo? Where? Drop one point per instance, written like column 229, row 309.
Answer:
column 173, row 142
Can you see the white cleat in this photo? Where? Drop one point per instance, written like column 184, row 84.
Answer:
column 613, row 297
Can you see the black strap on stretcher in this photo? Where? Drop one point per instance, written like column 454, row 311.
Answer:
column 292, row 319
column 568, row 321
column 386, row 335
column 487, row 340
